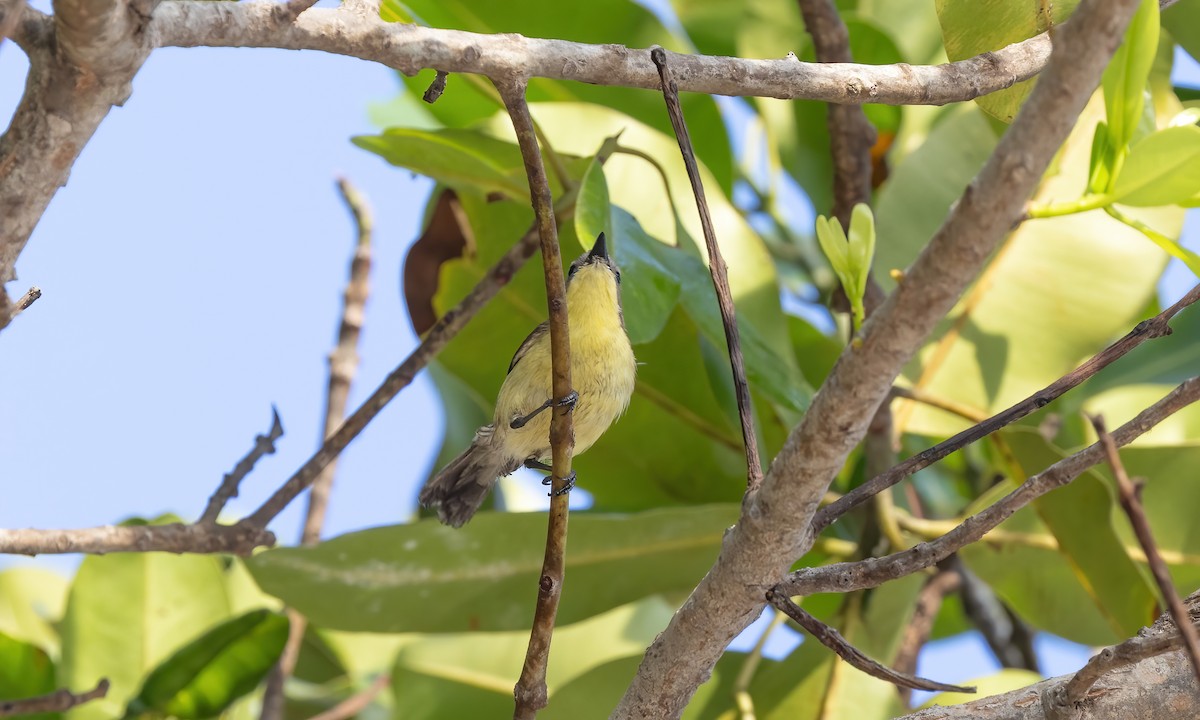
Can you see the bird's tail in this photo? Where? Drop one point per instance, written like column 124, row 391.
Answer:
column 459, row 489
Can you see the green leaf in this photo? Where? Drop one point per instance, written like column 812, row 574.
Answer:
column 207, row 675
column 136, row 609
column 1038, row 582
column 31, row 602
column 1079, row 516
column 1182, row 20
column 1162, row 169
column 1057, row 291
column 1125, row 78
column 484, row 576
column 649, row 291
column 1104, row 156
column 592, row 211
column 458, row 158
column 26, row 671
column 971, row 28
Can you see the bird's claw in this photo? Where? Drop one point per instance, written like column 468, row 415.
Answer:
column 568, row 484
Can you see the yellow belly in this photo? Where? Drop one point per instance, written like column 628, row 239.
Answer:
column 603, row 372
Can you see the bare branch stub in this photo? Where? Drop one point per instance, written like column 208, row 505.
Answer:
column 1129, row 495
column 844, row 577
column 718, row 271
column 56, row 702
column 1156, row 327
column 1062, row 699
column 530, row 693
column 832, row 639
column 436, row 88
column 263, row 445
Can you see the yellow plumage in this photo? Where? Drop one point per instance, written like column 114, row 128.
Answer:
column 602, row 372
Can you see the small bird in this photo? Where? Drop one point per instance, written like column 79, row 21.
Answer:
column 603, row 370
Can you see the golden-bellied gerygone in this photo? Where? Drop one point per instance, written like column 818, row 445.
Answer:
column 602, row 372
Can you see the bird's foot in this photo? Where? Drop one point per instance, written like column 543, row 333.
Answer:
column 568, row 484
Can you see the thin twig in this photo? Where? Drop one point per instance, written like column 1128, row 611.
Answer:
column 357, row 702
column 56, row 702
column 1158, row 326
column 343, row 362
column 1129, row 494
column 832, row 639
column 920, row 625
column 844, row 577
column 530, row 692
column 263, row 445
column 1061, row 698
column 175, row 538
column 718, row 270
column 851, row 135
column 925, row 397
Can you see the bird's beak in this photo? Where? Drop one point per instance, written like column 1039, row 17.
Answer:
column 600, row 249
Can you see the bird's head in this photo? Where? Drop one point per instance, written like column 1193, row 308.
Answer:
column 594, row 277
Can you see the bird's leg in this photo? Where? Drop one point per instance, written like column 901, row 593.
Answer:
column 566, row 488
column 567, row 402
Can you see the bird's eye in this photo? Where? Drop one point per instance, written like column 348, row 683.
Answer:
column 571, row 272
column 618, row 274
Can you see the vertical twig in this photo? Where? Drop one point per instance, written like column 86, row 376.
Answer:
column 530, row 693
column 343, row 361
column 30, row 297
column 720, row 274
column 1129, row 494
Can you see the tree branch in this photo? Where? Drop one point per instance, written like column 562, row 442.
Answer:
column 832, row 639
column 1156, row 327
column 263, row 445
column 175, row 538
column 530, row 692
column 844, row 577
column 774, row 527
column 58, row 701
column 717, row 270
column 1065, row 701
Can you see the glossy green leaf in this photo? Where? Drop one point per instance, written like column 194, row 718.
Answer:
column 1125, row 78
column 430, row 578
column 139, row 607
column 592, row 210
column 458, row 158
column 1038, row 582
column 1162, row 169
column 31, row 602
column 971, row 28
column 1079, row 516
column 26, row 671
column 207, row 675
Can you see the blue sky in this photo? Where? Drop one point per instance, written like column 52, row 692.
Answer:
column 192, row 273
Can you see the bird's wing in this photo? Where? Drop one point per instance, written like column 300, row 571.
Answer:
column 533, row 337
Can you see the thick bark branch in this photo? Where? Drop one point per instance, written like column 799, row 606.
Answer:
column 773, row 529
